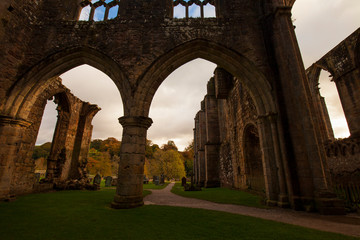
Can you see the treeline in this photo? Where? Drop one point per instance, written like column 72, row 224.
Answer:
column 104, row 158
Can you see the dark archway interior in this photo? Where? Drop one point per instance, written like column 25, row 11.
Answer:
column 253, row 160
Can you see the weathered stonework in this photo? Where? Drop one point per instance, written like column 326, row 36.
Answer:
column 22, row 134
column 343, row 156
column 254, row 41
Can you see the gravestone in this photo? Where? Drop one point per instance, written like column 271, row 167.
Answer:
column 37, row 177
column 97, row 179
column 108, row 181
column 114, row 181
column 183, row 181
column 156, row 180
column 146, row 180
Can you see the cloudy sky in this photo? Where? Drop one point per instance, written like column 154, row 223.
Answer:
column 320, row 26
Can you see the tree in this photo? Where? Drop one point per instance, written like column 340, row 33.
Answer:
column 188, row 158
column 169, row 146
column 168, row 163
column 42, row 151
column 99, row 162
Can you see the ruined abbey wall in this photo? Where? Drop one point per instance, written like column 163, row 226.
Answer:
column 74, row 118
column 236, row 113
column 253, row 41
column 342, row 62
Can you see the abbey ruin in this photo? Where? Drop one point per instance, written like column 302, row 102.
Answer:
column 261, row 104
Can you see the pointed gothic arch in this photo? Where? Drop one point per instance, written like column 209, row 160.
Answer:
column 54, row 65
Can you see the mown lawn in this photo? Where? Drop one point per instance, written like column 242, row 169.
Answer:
column 86, row 215
column 221, row 195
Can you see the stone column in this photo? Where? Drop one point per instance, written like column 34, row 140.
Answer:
column 132, row 159
column 11, row 131
column 212, row 145
column 82, row 141
column 200, row 139
column 195, row 167
column 348, row 86
column 305, row 153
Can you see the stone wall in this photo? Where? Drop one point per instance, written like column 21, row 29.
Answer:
column 253, row 40
column 235, row 111
column 74, row 118
column 343, row 157
column 344, row 160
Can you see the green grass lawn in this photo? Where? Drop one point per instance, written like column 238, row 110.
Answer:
column 86, row 215
column 221, row 195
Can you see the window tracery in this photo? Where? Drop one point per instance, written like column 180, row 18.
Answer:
column 194, row 9
column 99, row 10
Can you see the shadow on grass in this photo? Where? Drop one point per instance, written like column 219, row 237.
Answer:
column 221, row 195
column 87, row 215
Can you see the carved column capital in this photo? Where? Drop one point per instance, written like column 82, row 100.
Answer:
column 143, row 122
column 13, row 121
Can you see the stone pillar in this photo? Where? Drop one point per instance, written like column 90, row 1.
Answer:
column 321, row 113
column 304, row 149
column 200, row 140
column 10, row 138
column 212, row 145
column 195, row 166
column 82, row 141
column 131, row 166
column 54, row 167
column 348, row 86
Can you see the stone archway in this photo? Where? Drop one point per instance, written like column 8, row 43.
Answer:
column 19, row 96
column 135, row 125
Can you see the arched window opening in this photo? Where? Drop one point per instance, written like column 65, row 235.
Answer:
column 209, row 11
column 44, row 138
column 179, row 11
column 85, row 13
column 99, row 14
column 253, row 160
column 194, row 9
column 333, row 106
column 97, row 10
column 113, row 12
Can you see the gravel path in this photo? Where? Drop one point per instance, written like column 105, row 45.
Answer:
column 348, row 225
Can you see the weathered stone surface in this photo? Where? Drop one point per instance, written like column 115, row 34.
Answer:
column 64, row 161
column 254, row 41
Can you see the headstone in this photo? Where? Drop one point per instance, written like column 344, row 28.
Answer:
column 156, row 180
column 146, row 180
column 162, row 179
column 97, row 179
column 37, row 177
column 183, row 181
column 114, row 181
column 108, row 181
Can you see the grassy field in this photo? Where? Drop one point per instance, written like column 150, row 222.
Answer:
column 221, row 195
column 86, row 215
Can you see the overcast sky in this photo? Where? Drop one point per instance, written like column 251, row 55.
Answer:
column 320, row 26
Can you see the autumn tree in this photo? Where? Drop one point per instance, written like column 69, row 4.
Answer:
column 188, row 158
column 99, row 162
column 168, row 163
column 169, row 146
